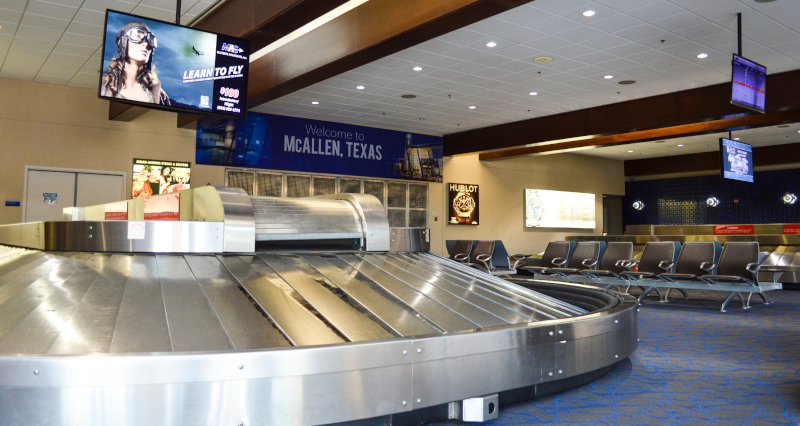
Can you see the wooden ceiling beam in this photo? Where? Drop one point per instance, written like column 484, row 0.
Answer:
column 669, row 115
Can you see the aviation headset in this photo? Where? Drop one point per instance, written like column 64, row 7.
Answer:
column 126, row 34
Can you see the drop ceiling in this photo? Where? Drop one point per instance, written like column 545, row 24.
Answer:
column 654, row 42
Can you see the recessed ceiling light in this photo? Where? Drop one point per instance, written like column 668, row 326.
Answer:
column 314, row 103
column 736, row 139
column 703, row 55
column 360, row 87
column 626, row 82
column 472, row 107
column 533, row 93
column 408, row 96
column 680, row 144
column 588, row 13
column 660, row 141
column 421, row 119
column 491, row 44
column 783, row 125
column 630, row 151
column 608, row 77
column 417, row 68
column 542, row 59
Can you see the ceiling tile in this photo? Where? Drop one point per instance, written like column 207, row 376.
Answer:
column 572, row 51
column 490, row 26
column 154, row 13
column 655, row 11
column 605, row 42
column 438, row 61
column 44, row 22
column 52, row 10
column 85, row 29
column 518, row 52
column 640, row 31
column 81, row 40
column 491, row 73
column 521, row 35
column 412, row 55
column 680, row 21
column 468, row 67
column 559, row 6
column 614, row 23
column 37, row 33
column 11, row 16
column 553, row 24
column 579, row 34
column 523, row 15
column 491, row 60
column 626, row 50
column 547, row 43
column 516, row 66
column 18, row 5
column 596, row 57
column 32, row 44
column 705, row 29
column 436, row 46
column 462, row 36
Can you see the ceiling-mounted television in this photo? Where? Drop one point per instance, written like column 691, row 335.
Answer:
column 160, row 65
column 749, row 84
column 736, row 160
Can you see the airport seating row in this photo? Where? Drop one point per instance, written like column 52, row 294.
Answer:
column 486, row 255
column 699, row 265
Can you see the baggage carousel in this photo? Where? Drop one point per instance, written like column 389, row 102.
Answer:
column 255, row 310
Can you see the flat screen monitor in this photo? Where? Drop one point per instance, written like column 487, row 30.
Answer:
column 736, row 159
column 749, row 84
column 160, row 65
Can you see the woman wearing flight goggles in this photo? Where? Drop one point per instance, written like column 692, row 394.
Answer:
column 131, row 75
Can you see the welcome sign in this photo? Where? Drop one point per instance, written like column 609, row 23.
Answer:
column 278, row 142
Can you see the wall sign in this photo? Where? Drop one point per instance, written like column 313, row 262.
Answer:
column 734, row 230
column 791, row 229
column 116, row 211
column 559, row 209
column 462, row 200
column 153, row 177
column 12, row 202
column 165, row 207
column 277, row 142
column 49, row 198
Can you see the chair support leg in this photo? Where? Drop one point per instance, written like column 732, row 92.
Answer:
column 761, row 295
column 730, row 296
column 685, row 296
column 648, row 290
column 666, row 295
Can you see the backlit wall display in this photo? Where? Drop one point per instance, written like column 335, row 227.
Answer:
column 153, row 177
column 160, row 65
column 749, row 81
column 736, row 159
column 559, row 209
column 462, row 199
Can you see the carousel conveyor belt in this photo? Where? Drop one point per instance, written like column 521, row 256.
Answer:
column 90, row 303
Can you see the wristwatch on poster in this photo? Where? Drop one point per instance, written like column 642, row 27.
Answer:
column 535, row 209
column 463, row 204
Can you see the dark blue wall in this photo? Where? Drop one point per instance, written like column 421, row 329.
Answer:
column 682, row 201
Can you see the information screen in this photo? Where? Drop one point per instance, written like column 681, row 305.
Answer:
column 160, row 65
column 736, row 159
column 749, row 81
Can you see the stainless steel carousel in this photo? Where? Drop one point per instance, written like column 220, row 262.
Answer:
column 254, row 310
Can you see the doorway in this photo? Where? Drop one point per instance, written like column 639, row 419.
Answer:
column 49, row 190
column 612, row 214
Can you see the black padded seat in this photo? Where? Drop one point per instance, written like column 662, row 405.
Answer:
column 610, row 265
column 738, row 263
column 584, row 251
column 462, row 249
column 554, row 250
column 481, row 257
column 655, row 254
column 694, row 256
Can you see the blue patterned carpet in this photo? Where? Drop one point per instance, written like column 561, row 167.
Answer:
column 694, row 366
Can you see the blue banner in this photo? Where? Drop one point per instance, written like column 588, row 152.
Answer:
column 277, row 142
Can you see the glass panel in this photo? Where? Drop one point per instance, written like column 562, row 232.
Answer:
column 324, row 185
column 298, row 186
column 418, row 218
column 352, row 186
column 417, row 196
column 397, row 217
column 269, row 184
column 241, row 179
column 374, row 188
column 397, row 195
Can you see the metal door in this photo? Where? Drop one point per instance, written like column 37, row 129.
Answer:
column 47, row 194
column 94, row 189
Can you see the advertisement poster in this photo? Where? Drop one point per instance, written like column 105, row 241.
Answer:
column 559, row 209
column 462, row 200
column 294, row 144
column 153, row 177
column 167, row 207
column 737, row 160
column 178, row 67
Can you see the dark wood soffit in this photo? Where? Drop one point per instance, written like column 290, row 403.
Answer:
column 668, row 110
column 369, row 32
column 706, row 161
column 260, row 21
column 705, row 127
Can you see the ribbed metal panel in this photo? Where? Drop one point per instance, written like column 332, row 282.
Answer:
column 292, row 218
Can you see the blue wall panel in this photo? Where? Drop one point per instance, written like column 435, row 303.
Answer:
column 682, row 201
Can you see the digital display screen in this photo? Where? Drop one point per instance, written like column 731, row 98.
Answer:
column 154, row 177
column 160, row 65
column 559, row 209
column 736, row 159
column 749, row 81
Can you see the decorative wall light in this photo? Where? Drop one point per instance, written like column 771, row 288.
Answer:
column 789, row 198
column 712, row 202
column 638, row 205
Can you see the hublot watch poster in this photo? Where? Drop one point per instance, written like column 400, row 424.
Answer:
column 463, row 201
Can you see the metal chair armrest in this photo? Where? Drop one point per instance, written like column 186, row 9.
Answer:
column 630, row 265
column 666, row 265
column 559, row 261
column 461, row 257
column 485, row 259
column 591, row 264
column 753, row 268
column 708, row 267
column 519, row 259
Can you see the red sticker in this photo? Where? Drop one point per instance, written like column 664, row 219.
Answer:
column 791, row 229
column 734, row 230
